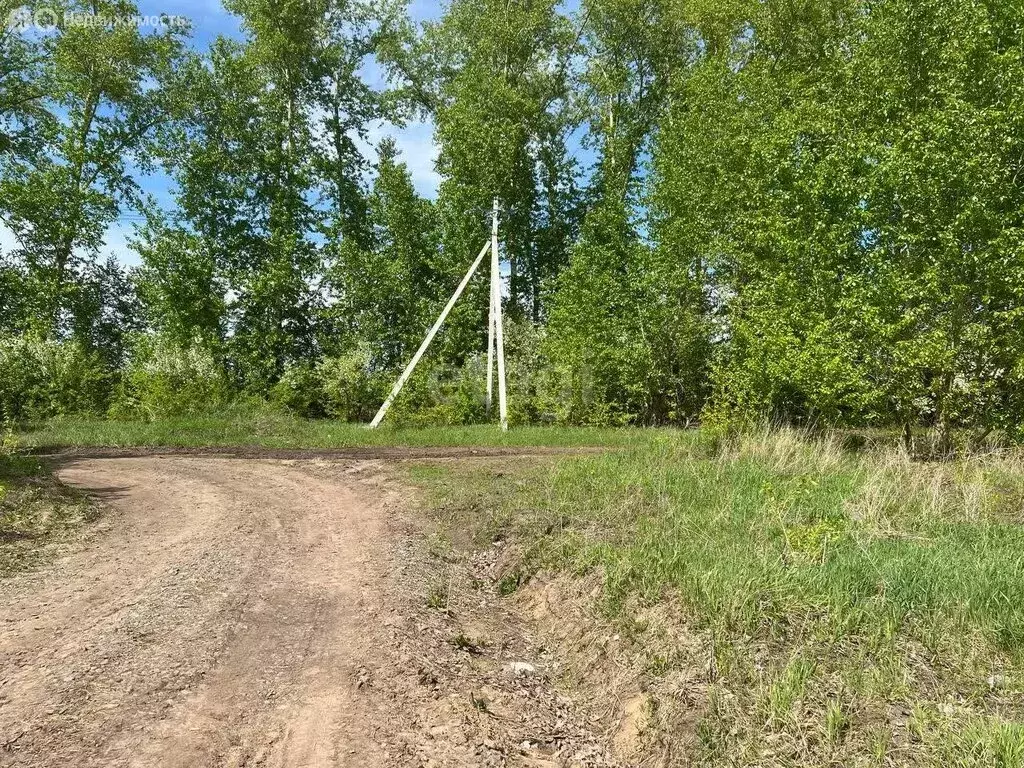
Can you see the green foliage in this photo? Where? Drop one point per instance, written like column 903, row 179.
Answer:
column 500, row 100
column 802, row 213
column 391, row 287
column 445, row 395
column 351, row 390
column 534, row 387
column 94, row 113
column 349, row 387
column 165, row 379
column 342, row 387
column 23, row 117
column 269, row 186
column 597, row 335
column 846, row 175
column 43, row 378
column 179, row 285
column 300, row 391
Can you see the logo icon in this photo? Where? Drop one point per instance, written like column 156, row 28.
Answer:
column 46, row 18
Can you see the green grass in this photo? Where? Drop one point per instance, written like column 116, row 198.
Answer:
column 244, row 427
column 833, row 592
column 37, row 514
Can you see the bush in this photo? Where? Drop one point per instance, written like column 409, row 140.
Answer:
column 536, row 391
column 43, row 378
column 348, row 387
column 351, row 390
column 165, row 379
column 300, row 391
column 445, row 395
column 342, row 387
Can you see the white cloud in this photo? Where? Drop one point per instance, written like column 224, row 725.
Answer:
column 115, row 242
column 8, row 242
column 415, row 142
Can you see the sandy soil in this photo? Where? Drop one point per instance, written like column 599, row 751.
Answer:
column 250, row 612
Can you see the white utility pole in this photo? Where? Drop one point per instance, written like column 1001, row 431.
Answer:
column 490, row 339
column 430, row 337
column 495, row 332
column 499, row 334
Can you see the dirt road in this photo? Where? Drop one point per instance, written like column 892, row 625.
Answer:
column 256, row 612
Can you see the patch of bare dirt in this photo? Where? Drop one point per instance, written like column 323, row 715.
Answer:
column 268, row 613
column 653, row 685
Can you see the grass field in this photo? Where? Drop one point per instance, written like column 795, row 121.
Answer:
column 851, row 609
column 842, row 609
column 269, row 428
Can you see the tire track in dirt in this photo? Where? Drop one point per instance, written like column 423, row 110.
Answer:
column 241, row 613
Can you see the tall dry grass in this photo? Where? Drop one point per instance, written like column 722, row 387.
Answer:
column 859, row 608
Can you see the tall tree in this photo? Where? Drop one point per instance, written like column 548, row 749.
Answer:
column 849, row 173
column 940, row 85
column 499, row 97
column 628, row 322
column 179, row 285
column 392, row 287
column 269, row 175
column 634, row 48
column 103, row 89
column 22, row 83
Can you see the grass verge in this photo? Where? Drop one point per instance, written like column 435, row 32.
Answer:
column 839, row 609
column 36, row 513
column 266, row 428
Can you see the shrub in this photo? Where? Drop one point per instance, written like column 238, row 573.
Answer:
column 166, row 379
column 351, row 390
column 536, row 392
column 301, row 391
column 348, row 387
column 343, row 387
column 42, row 378
column 439, row 394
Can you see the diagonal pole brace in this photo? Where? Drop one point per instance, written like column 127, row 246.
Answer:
column 430, row 337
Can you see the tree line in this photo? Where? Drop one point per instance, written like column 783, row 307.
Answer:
column 809, row 211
